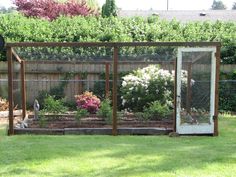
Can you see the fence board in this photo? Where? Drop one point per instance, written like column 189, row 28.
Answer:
column 47, row 74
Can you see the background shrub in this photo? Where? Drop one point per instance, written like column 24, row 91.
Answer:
column 17, row 28
column 227, row 92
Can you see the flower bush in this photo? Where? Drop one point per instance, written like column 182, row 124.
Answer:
column 52, row 9
column 88, row 101
column 147, row 85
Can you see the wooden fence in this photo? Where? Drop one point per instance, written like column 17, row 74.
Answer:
column 45, row 75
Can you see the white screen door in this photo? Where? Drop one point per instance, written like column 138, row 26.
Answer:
column 195, row 94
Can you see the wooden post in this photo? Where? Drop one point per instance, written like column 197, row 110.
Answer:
column 175, row 94
column 10, row 91
column 216, row 132
column 114, row 96
column 189, row 91
column 107, row 87
column 23, row 89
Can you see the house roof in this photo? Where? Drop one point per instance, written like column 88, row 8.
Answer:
column 184, row 16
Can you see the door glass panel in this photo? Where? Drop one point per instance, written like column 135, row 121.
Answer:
column 196, row 88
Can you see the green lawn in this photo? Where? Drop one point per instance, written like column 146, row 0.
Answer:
column 121, row 155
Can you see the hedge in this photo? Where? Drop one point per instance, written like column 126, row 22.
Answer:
column 17, row 28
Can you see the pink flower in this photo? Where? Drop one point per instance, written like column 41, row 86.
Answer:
column 88, row 101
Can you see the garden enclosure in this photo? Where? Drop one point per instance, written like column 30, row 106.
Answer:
column 151, row 86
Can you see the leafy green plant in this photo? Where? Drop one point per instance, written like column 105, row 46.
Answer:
column 105, row 111
column 70, row 104
column 42, row 118
column 57, row 92
column 51, row 105
column 155, row 110
column 143, row 116
column 81, row 113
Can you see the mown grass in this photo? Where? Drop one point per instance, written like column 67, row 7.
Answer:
column 30, row 155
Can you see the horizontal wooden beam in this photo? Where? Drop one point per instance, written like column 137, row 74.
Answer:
column 94, row 131
column 109, row 44
column 95, row 62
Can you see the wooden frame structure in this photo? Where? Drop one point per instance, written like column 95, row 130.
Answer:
column 115, row 46
column 195, row 128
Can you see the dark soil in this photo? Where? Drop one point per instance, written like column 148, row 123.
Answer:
column 68, row 121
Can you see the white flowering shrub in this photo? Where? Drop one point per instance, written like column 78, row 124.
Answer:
column 147, row 85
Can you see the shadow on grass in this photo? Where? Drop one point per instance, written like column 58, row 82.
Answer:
column 127, row 155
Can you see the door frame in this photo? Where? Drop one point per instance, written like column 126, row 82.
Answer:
column 203, row 128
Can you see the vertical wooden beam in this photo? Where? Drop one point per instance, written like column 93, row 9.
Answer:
column 107, row 87
column 10, row 91
column 114, row 91
column 188, row 97
column 216, row 132
column 175, row 94
column 23, row 89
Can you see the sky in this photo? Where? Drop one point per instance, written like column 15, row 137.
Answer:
column 156, row 4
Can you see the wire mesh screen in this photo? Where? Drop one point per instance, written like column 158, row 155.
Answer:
column 196, row 87
column 66, row 80
column 65, row 70
column 65, row 53
column 3, row 86
column 17, row 97
column 146, row 86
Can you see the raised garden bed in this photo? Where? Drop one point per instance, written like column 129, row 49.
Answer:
column 94, row 131
column 67, row 124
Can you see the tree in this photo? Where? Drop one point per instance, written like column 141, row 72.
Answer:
column 218, row 5
column 51, row 9
column 3, row 10
column 234, row 6
column 109, row 8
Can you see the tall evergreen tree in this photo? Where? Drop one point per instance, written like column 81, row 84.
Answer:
column 109, row 8
column 218, row 5
column 234, row 6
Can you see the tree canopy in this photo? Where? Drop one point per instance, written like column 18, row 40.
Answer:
column 52, row 9
column 109, row 8
column 234, row 6
column 218, row 5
